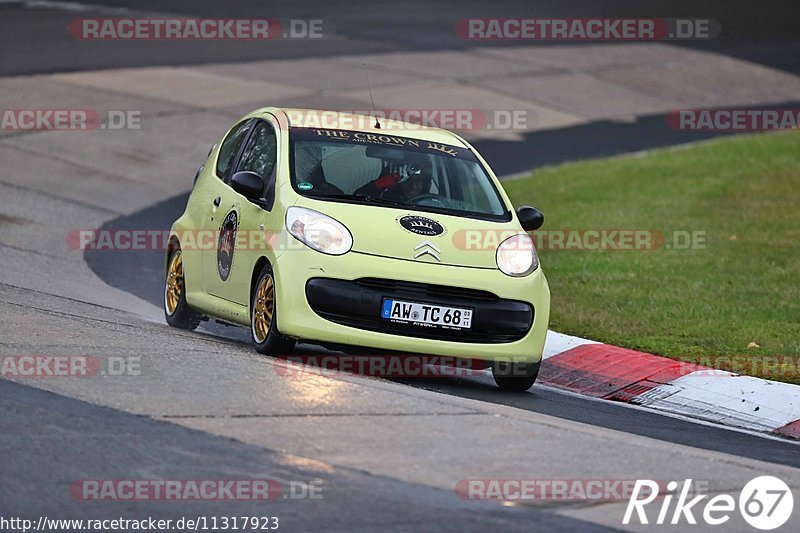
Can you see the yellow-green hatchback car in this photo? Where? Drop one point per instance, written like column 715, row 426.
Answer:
column 346, row 231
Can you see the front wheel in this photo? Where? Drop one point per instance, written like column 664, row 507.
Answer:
column 515, row 377
column 176, row 310
column 263, row 323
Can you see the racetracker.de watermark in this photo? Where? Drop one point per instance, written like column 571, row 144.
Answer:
column 195, row 489
column 47, row 366
column 585, row 240
column 409, row 119
column 386, row 366
column 577, row 490
column 594, row 239
column 16, row 120
column 194, row 29
column 150, row 240
column 776, row 367
column 733, row 119
column 587, row 29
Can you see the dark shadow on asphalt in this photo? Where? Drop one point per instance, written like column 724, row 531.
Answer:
column 139, row 272
column 618, row 417
column 603, row 138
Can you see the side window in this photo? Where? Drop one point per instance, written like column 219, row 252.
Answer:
column 230, row 148
column 261, row 152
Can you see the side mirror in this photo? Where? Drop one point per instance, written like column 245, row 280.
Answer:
column 530, row 218
column 248, row 184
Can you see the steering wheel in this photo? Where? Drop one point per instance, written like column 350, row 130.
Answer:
column 427, row 196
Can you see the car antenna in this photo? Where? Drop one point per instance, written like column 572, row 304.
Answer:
column 377, row 122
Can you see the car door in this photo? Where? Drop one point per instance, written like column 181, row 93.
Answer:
column 246, row 223
column 219, row 201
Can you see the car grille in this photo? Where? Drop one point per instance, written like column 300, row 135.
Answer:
column 426, row 289
column 358, row 304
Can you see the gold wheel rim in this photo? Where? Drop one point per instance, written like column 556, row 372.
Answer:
column 263, row 309
column 174, row 285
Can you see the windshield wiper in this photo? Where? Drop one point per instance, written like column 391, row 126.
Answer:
column 364, row 198
column 429, row 208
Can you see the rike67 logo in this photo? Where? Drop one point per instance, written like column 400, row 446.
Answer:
column 765, row 503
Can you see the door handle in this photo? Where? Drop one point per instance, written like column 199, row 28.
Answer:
column 217, row 200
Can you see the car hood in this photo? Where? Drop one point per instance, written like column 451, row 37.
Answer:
column 410, row 235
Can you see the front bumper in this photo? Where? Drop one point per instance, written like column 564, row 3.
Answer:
column 510, row 319
column 358, row 304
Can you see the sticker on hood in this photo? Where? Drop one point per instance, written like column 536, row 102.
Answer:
column 421, row 225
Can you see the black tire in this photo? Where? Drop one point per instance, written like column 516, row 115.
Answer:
column 267, row 340
column 182, row 316
column 515, row 377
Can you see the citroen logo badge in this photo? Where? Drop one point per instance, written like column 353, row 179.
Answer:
column 427, row 248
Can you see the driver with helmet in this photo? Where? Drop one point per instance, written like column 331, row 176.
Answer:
column 402, row 182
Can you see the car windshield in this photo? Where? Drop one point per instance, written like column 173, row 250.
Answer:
column 388, row 170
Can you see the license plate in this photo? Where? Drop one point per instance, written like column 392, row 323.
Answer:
column 426, row 314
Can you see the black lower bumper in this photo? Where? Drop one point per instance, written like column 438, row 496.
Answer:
column 358, row 304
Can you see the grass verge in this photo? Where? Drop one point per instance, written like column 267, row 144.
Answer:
column 731, row 300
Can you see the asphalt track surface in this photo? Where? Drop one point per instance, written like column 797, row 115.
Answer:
column 35, row 42
column 51, row 438
column 351, row 500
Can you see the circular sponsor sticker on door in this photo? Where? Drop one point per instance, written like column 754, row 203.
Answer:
column 421, row 225
column 225, row 244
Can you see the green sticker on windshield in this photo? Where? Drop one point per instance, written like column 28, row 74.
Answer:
column 305, row 186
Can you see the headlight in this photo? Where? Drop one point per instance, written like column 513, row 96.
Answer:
column 516, row 256
column 318, row 231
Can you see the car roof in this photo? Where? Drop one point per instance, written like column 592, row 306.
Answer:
column 327, row 119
